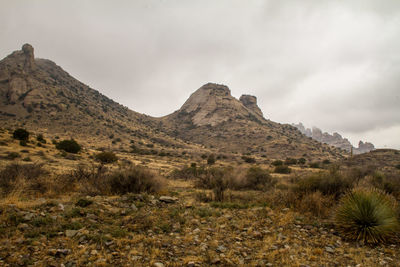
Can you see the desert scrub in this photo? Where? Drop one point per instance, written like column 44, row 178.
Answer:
column 70, row 146
column 368, row 216
column 106, row 157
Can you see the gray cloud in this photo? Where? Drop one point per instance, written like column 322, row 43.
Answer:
column 332, row 64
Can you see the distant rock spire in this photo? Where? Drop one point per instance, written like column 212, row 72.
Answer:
column 29, row 63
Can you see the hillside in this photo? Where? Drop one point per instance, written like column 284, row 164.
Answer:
column 213, row 117
column 39, row 95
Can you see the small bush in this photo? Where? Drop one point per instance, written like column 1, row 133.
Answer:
column 314, row 165
column 367, row 216
column 277, row 163
column 135, row 179
column 248, row 159
column 290, row 161
column 40, row 139
column 398, row 166
column 284, row 169
column 13, row 155
column 257, row 178
column 70, row 146
column 328, row 183
column 21, row 134
column 24, row 177
column 106, row 157
column 301, row 161
column 23, row 143
column 211, row 159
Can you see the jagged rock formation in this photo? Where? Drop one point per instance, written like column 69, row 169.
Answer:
column 250, row 102
column 334, row 139
column 213, row 117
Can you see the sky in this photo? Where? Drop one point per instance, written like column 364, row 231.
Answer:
column 330, row 64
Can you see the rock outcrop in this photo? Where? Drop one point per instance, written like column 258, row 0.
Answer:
column 334, row 139
column 250, row 102
column 213, row 104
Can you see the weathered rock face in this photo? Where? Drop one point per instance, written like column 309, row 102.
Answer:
column 213, row 104
column 334, row 140
column 250, row 102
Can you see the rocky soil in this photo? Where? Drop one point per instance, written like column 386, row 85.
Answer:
column 173, row 230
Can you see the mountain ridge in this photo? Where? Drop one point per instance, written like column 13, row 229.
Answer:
column 38, row 94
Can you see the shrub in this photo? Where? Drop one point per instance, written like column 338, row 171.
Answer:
column 24, row 177
column 135, row 179
column 315, row 203
column 326, row 161
column 21, row 134
column 398, row 166
column 277, row 163
column 13, row 155
column 22, row 143
column 106, row 157
column 70, row 146
column 314, row 165
column 290, row 161
column 284, row 169
column 367, row 216
column 328, row 183
column 40, row 139
column 248, row 159
column 211, row 159
column 301, row 161
column 257, row 178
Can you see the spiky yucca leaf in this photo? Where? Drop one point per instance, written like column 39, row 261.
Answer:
column 367, row 215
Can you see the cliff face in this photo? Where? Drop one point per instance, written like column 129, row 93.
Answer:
column 334, row 139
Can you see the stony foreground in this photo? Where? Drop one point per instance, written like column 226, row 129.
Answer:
column 144, row 230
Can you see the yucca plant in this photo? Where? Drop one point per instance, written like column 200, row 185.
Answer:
column 367, row 215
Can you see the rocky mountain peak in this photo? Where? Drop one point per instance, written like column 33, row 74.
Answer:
column 215, row 89
column 20, row 61
column 250, row 102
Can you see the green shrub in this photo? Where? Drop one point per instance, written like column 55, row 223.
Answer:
column 21, row 134
column 70, row 146
column 367, row 216
column 23, row 143
column 13, row 155
column 398, row 166
column 277, row 163
column 257, row 178
column 328, row 183
column 106, row 157
column 284, row 169
column 301, row 161
column 211, row 159
column 40, row 139
column 248, row 159
column 290, row 161
column 314, row 165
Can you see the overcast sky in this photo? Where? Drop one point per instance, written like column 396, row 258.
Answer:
column 330, row 64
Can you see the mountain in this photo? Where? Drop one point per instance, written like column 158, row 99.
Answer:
column 334, row 139
column 213, row 117
column 41, row 96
